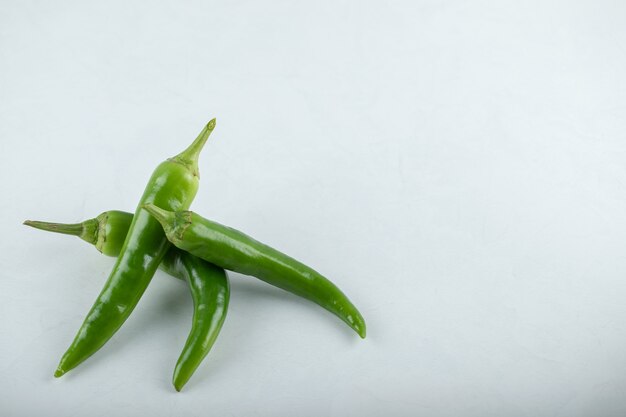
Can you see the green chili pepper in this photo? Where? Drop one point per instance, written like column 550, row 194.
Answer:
column 210, row 294
column 173, row 185
column 209, row 285
column 235, row 251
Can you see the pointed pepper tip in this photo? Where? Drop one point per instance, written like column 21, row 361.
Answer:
column 359, row 327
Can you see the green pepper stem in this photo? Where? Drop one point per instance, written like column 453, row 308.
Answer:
column 190, row 155
column 87, row 230
column 163, row 216
column 75, row 229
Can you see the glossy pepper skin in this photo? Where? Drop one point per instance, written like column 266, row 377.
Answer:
column 173, row 185
column 210, row 289
column 235, row 251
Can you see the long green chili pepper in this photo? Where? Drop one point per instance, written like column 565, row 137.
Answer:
column 235, row 251
column 209, row 285
column 173, row 186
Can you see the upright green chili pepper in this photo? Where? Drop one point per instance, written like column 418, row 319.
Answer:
column 173, row 185
column 208, row 284
column 233, row 250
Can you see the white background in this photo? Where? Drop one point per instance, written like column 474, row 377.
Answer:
column 458, row 168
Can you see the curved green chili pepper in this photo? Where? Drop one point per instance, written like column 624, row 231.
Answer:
column 209, row 285
column 235, row 251
column 173, row 185
column 211, row 294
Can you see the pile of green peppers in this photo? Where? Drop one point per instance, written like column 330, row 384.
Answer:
column 163, row 233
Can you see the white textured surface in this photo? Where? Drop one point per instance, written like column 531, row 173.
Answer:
column 458, row 168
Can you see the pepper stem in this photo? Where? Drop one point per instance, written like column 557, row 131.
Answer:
column 190, row 155
column 86, row 230
column 163, row 216
column 74, row 229
column 174, row 223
